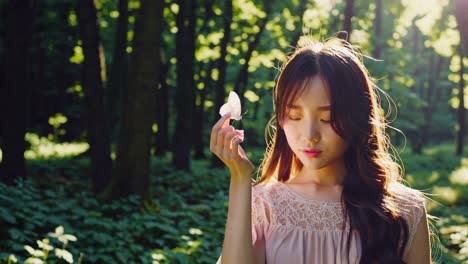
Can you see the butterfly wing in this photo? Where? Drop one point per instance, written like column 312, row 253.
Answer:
column 234, row 101
column 233, row 106
column 226, row 108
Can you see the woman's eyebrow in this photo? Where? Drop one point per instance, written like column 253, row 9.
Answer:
column 324, row 108
column 320, row 108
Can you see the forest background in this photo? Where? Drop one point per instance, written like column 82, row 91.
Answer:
column 106, row 109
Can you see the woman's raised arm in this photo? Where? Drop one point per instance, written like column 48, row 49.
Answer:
column 224, row 143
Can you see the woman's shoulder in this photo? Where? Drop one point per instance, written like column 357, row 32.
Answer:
column 266, row 192
column 262, row 189
column 262, row 204
column 411, row 202
column 411, row 206
column 405, row 194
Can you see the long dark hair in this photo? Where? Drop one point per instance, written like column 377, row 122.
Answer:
column 368, row 203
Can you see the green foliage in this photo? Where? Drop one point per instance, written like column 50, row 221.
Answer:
column 43, row 253
column 47, row 147
column 183, row 222
column 185, row 219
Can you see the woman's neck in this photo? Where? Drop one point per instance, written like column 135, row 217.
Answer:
column 330, row 176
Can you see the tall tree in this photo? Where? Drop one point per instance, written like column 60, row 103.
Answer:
column 98, row 126
column 222, row 63
column 161, row 142
column 414, row 133
column 347, row 25
column 219, row 89
column 378, row 29
column 118, row 73
column 185, row 53
column 462, row 20
column 161, row 136
column 461, row 106
column 19, row 25
column 133, row 160
column 199, row 112
column 200, row 95
column 431, row 94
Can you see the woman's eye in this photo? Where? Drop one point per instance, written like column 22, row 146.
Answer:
column 294, row 118
column 326, row 121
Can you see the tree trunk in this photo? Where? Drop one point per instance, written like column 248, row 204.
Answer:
column 462, row 20
column 197, row 122
column 19, row 24
column 431, row 96
column 199, row 119
column 461, row 107
column 133, row 160
column 118, row 73
column 378, row 29
column 219, row 89
column 161, row 142
column 414, row 134
column 185, row 53
column 200, row 95
column 347, row 25
column 98, row 128
column 207, row 15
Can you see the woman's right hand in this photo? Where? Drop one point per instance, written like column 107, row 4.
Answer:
column 225, row 144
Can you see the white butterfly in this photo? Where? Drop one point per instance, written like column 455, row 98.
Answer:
column 233, row 106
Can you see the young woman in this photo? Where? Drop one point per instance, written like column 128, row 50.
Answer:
column 329, row 191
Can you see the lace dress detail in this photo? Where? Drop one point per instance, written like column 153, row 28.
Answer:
column 290, row 228
column 295, row 211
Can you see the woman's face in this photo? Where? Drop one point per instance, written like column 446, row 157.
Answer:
column 308, row 128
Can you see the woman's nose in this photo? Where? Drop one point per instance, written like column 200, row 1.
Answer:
column 312, row 134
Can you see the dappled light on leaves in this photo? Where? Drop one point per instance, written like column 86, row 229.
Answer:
column 78, row 56
column 448, row 195
column 42, row 147
column 460, row 175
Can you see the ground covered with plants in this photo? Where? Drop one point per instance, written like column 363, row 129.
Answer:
column 52, row 217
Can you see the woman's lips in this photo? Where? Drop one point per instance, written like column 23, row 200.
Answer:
column 312, row 153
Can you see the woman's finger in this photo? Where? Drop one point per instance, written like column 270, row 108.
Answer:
column 241, row 151
column 227, row 146
column 235, row 145
column 222, row 122
column 221, row 136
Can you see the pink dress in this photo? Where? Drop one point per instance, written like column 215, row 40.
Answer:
column 290, row 228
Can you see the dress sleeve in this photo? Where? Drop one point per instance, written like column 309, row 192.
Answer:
column 260, row 220
column 260, row 213
column 413, row 207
